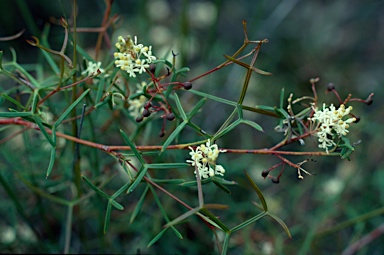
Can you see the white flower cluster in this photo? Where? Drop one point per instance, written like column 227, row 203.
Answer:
column 204, row 158
column 92, row 68
column 132, row 57
column 330, row 123
column 136, row 106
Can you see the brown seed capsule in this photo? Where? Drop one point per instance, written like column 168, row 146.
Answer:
column 152, row 68
column 139, row 119
column 187, row 85
column 275, row 180
column 161, row 134
column 369, row 101
column 170, row 116
column 146, row 113
column 265, row 173
column 330, row 86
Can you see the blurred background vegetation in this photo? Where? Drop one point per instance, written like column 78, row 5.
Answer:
column 339, row 41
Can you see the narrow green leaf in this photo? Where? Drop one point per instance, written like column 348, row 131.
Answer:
column 282, row 98
column 121, row 190
column 43, row 193
column 14, row 114
column 107, row 218
column 34, row 101
column 282, row 224
column 227, row 129
column 172, row 136
column 167, row 165
column 196, row 108
column 157, row 237
column 169, row 181
column 213, row 218
column 221, row 186
column 163, row 212
column 133, row 147
column 226, row 243
column 70, row 108
column 83, row 53
column 253, row 124
column 180, row 107
column 116, row 204
column 194, row 183
column 100, row 89
column 51, row 161
column 139, row 178
column 42, row 128
column 96, row 189
column 182, row 217
column 139, row 205
column 248, row 222
column 256, row 70
column 223, row 181
column 48, row 57
column 283, row 114
column 218, row 99
column 10, row 99
column 258, row 191
column 182, row 71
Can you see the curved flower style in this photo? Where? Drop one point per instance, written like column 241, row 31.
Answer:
column 204, row 158
column 132, row 57
column 331, row 124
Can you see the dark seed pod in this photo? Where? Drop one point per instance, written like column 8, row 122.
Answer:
column 357, row 119
column 187, row 85
column 170, row 116
column 161, row 134
column 275, row 180
column 265, row 173
column 139, row 119
column 369, row 101
column 146, row 113
column 152, row 68
column 330, row 86
column 147, row 105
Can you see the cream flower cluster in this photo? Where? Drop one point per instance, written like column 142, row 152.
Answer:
column 204, row 159
column 136, row 106
column 92, row 68
column 330, row 122
column 132, row 57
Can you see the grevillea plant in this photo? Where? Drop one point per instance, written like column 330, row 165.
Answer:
column 141, row 88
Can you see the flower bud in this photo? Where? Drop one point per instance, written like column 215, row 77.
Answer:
column 170, row 116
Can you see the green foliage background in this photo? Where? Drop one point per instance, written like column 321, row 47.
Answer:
column 338, row 41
